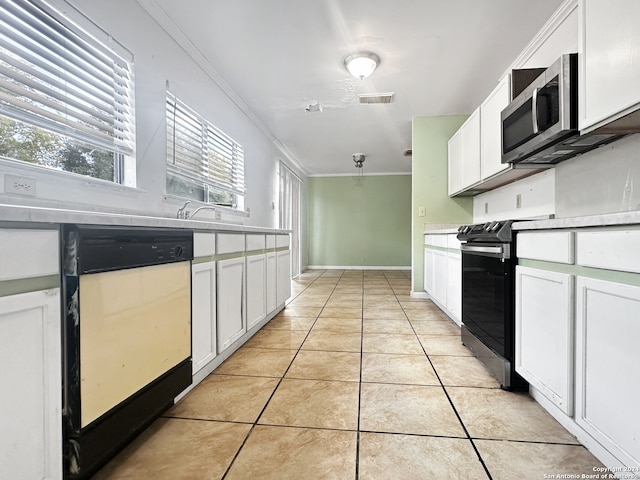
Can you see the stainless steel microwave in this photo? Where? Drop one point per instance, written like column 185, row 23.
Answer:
column 540, row 125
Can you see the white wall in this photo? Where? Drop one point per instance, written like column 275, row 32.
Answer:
column 606, row 180
column 158, row 60
column 537, row 199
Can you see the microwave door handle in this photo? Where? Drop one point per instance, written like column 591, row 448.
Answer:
column 534, row 110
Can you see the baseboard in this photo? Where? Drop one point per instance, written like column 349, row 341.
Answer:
column 355, row 267
column 424, row 295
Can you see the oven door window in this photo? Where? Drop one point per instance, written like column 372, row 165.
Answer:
column 487, row 299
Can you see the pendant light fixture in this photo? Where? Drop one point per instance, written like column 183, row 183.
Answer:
column 361, row 64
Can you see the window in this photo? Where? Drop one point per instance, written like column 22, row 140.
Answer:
column 65, row 96
column 203, row 163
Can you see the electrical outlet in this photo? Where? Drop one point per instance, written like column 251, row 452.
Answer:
column 422, row 211
column 486, row 207
column 20, row 185
column 518, row 201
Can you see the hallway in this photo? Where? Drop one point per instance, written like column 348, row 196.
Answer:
column 353, row 380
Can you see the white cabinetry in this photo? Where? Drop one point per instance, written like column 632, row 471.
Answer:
column 577, row 325
column 608, row 328
column 464, row 155
column 609, row 52
column 230, row 287
column 231, row 319
column 490, row 129
column 203, row 314
column 30, row 352
column 272, row 278
column 283, row 270
column 545, row 333
column 454, row 285
column 31, row 417
column 443, row 273
column 256, row 281
column 203, row 301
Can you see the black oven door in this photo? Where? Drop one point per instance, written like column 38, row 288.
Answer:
column 488, row 295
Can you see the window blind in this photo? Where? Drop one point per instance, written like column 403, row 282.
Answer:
column 200, row 151
column 56, row 76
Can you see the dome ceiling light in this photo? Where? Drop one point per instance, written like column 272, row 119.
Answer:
column 361, row 64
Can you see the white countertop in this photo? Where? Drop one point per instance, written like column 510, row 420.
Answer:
column 14, row 213
column 609, row 219
column 440, row 228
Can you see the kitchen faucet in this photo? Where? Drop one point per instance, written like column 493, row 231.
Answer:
column 185, row 214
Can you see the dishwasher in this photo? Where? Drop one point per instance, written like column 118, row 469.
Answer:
column 126, row 335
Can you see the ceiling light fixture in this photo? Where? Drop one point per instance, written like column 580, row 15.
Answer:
column 361, row 64
column 358, row 158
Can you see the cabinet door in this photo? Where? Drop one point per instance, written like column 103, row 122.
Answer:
column 454, row 285
column 272, row 278
column 470, row 147
column 203, row 320
column 440, row 277
column 428, row 271
column 491, row 126
column 230, row 286
column 30, row 370
column 256, row 289
column 607, row 359
column 283, row 285
column 455, row 164
column 609, row 49
column 545, row 333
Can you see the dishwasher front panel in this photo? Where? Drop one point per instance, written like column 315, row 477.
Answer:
column 126, row 336
column 135, row 327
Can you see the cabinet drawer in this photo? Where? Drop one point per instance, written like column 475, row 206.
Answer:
column 255, row 242
column 282, row 241
column 453, row 242
column 439, row 241
column 613, row 250
column 230, row 242
column 28, row 253
column 546, row 246
column 270, row 241
column 204, row 244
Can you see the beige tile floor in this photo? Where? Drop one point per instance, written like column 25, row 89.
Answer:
column 354, row 380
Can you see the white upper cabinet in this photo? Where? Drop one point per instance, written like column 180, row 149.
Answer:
column 609, row 50
column 464, row 155
column 455, row 164
column 470, row 145
column 490, row 138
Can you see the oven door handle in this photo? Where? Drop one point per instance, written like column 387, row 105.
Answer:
column 496, row 251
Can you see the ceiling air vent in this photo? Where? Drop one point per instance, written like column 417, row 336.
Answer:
column 369, row 98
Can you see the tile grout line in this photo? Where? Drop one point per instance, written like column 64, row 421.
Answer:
column 357, row 469
column 464, row 428
column 255, row 423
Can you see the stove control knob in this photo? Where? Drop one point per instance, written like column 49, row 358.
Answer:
column 487, row 226
column 495, row 226
column 461, row 228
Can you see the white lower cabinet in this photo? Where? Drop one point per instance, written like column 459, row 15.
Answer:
column 443, row 273
column 272, row 278
column 283, row 276
column 607, row 390
column 545, row 333
column 30, row 368
column 230, row 301
column 203, row 314
column 428, row 270
column 256, row 289
column 454, row 285
column 440, row 276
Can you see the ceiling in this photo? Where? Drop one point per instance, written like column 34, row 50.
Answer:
column 276, row 57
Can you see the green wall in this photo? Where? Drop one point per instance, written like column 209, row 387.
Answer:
column 359, row 221
column 430, row 184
